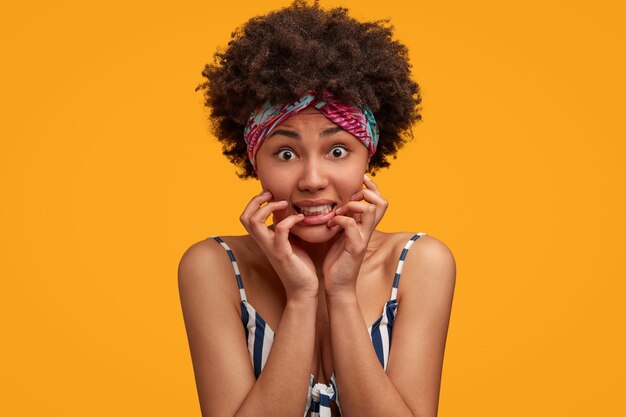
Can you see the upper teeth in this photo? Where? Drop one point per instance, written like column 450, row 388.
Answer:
column 316, row 209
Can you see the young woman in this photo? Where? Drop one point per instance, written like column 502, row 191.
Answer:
column 318, row 313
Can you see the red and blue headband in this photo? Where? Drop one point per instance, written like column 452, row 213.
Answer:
column 358, row 121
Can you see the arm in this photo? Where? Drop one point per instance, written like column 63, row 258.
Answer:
column 411, row 385
column 226, row 385
column 224, row 377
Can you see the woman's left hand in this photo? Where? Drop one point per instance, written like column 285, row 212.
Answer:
column 358, row 219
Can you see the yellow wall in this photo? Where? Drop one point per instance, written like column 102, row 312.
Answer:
column 107, row 174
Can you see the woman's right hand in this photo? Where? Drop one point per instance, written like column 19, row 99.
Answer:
column 292, row 264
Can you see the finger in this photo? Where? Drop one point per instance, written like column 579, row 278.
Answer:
column 358, row 196
column 370, row 184
column 364, row 213
column 367, row 195
column 355, row 207
column 264, row 212
column 282, row 229
column 258, row 219
column 253, row 206
column 373, row 198
column 349, row 213
column 350, row 229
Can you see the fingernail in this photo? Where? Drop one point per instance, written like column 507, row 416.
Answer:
column 365, row 175
column 265, row 192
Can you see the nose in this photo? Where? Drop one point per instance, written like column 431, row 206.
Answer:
column 313, row 176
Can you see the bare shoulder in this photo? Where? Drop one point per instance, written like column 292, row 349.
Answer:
column 429, row 268
column 201, row 261
column 205, row 271
column 423, row 246
column 428, row 251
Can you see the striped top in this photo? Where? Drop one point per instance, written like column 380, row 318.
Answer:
column 260, row 336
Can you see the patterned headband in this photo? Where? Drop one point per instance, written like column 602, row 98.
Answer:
column 359, row 121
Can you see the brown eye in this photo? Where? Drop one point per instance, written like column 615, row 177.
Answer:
column 339, row 152
column 285, row 154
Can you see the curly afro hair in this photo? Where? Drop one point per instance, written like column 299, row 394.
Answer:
column 289, row 52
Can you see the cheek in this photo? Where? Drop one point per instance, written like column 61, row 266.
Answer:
column 279, row 193
column 352, row 178
column 354, row 188
column 346, row 189
column 279, row 189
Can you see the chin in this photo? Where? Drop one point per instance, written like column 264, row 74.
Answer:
column 314, row 234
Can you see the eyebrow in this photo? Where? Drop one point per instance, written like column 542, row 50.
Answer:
column 288, row 133
column 294, row 135
column 330, row 131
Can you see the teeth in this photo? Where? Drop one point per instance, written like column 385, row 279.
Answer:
column 316, row 210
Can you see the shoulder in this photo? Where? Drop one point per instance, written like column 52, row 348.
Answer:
column 423, row 247
column 201, row 258
column 428, row 251
column 207, row 264
column 205, row 268
column 210, row 254
column 429, row 268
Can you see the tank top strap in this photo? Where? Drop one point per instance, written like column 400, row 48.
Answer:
column 233, row 261
column 405, row 250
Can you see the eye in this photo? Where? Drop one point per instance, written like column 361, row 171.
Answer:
column 285, row 154
column 339, row 152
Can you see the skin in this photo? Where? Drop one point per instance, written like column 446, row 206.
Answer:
column 319, row 287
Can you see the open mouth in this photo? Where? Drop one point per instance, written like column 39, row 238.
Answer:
column 315, row 210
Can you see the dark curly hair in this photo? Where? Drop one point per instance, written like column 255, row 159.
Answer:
column 289, row 52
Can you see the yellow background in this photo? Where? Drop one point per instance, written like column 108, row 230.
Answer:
column 108, row 174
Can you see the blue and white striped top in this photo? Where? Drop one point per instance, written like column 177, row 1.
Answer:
column 260, row 336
